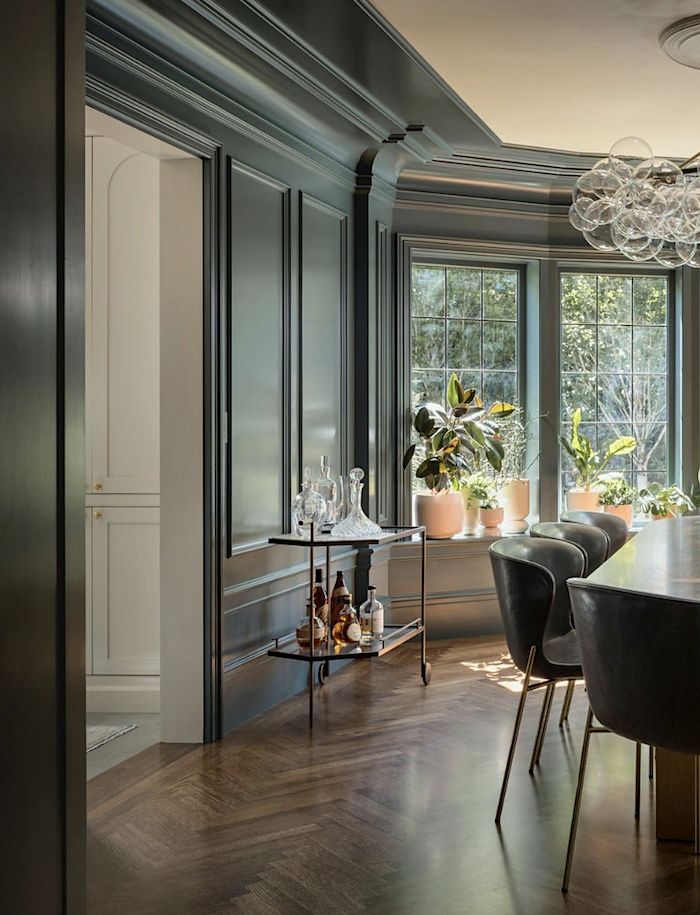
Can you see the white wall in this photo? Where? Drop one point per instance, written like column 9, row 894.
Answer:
column 181, row 443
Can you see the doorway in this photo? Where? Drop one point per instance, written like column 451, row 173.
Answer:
column 144, row 485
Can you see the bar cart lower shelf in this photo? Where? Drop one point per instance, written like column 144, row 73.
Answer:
column 394, row 634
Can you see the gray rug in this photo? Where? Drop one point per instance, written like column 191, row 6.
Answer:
column 100, row 734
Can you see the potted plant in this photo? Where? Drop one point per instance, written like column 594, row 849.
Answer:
column 471, row 503
column 451, row 442
column 490, row 510
column 514, row 487
column 617, row 498
column 664, row 501
column 589, row 464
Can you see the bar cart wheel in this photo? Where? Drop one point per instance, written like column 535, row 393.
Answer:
column 426, row 672
column 323, row 672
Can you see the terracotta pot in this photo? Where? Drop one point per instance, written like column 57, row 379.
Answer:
column 582, row 500
column 516, row 494
column 622, row 511
column 491, row 517
column 441, row 513
column 670, row 514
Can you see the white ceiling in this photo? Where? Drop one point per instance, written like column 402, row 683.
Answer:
column 561, row 74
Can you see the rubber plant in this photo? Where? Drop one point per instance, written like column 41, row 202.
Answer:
column 588, row 462
column 453, row 441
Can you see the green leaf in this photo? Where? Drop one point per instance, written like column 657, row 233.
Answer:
column 455, row 392
column 424, row 423
column 408, row 457
column 625, row 444
column 475, row 432
column 423, row 468
column 501, row 410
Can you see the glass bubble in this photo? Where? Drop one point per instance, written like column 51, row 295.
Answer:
column 578, row 221
column 669, row 256
column 661, row 171
column 582, row 202
column 620, row 168
column 626, row 226
column 690, row 253
column 584, row 183
column 632, row 150
column 627, row 243
column 691, row 202
column 600, row 238
column 600, row 212
column 605, row 182
column 677, row 228
column 648, row 252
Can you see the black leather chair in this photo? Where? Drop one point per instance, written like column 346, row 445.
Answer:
column 531, row 575
column 637, row 688
column 595, row 544
column 614, row 527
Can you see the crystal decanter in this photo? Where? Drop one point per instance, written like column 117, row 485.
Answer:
column 327, row 489
column 357, row 525
column 307, row 508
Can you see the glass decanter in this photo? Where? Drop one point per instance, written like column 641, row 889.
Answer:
column 357, row 524
column 307, row 508
column 327, row 489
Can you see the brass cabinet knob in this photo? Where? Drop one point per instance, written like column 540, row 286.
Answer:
column 97, row 515
column 98, row 487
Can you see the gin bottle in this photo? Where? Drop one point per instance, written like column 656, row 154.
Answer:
column 371, row 617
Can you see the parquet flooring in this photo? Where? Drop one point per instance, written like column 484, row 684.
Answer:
column 387, row 809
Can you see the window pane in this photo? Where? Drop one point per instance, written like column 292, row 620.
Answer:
column 614, row 349
column 500, row 343
column 500, row 294
column 463, row 345
column 427, row 387
column 463, row 292
column 499, row 386
column 614, row 367
column 649, row 349
column 578, row 348
column 578, row 299
column 649, row 300
column 428, row 291
column 428, row 343
column 615, row 299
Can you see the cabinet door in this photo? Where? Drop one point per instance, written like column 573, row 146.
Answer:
column 123, row 389
column 125, row 591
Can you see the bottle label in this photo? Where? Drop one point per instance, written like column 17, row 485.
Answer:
column 378, row 621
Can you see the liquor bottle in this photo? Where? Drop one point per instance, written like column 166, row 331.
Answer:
column 304, row 628
column 371, row 617
column 339, row 592
column 327, row 489
column 347, row 629
column 320, row 598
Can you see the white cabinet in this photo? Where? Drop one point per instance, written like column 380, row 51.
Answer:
column 125, row 591
column 122, row 424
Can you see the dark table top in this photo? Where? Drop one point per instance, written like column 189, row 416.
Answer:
column 663, row 559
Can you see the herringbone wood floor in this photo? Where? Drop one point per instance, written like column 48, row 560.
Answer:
column 387, row 809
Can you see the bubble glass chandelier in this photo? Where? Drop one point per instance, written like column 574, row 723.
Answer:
column 644, row 207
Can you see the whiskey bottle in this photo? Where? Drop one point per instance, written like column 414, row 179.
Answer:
column 347, row 629
column 303, row 629
column 320, row 598
column 339, row 593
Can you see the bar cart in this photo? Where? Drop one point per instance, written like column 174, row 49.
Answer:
column 394, row 634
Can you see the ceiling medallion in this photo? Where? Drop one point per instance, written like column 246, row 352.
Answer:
column 681, row 41
column 641, row 206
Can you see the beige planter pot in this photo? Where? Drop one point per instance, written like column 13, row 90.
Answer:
column 582, row 500
column 491, row 518
column 470, row 521
column 516, row 495
column 440, row 513
column 622, row 511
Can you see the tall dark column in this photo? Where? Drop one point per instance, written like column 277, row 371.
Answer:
column 42, row 764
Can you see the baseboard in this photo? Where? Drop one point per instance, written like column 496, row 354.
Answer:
column 122, row 694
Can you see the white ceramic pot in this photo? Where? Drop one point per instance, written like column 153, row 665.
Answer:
column 582, row 500
column 516, row 495
column 622, row 511
column 441, row 513
column 491, row 517
column 471, row 516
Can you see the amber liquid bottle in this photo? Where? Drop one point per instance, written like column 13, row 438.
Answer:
column 320, row 597
column 337, row 598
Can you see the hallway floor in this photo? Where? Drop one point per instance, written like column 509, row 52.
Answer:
column 387, row 809
column 116, row 752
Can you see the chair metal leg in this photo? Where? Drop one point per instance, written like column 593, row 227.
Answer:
column 542, row 729
column 577, row 801
column 516, row 730
column 637, row 778
column 566, row 704
column 697, row 806
column 651, row 762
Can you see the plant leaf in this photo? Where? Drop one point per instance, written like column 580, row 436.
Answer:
column 625, row 444
column 501, row 410
column 424, row 422
column 408, row 457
